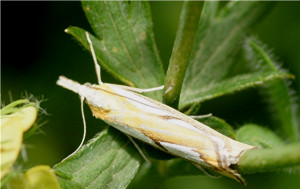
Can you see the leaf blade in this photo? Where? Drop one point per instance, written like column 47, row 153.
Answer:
column 278, row 94
column 217, row 44
column 107, row 156
column 230, row 85
column 124, row 42
column 258, row 136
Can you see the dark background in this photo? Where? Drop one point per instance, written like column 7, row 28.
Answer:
column 35, row 51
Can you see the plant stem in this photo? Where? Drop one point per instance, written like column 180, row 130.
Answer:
column 187, row 29
column 265, row 160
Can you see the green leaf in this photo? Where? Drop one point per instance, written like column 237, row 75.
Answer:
column 256, row 135
column 189, row 19
column 124, row 42
column 217, row 43
column 283, row 109
column 230, row 85
column 278, row 95
column 107, row 161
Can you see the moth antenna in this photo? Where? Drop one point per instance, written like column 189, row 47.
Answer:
column 97, row 67
column 139, row 149
column 84, row 129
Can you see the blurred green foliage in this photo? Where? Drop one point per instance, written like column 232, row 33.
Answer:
column 35, row 51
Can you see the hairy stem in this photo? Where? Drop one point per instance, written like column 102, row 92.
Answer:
column 264, row 160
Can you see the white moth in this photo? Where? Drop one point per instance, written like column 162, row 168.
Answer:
column 159, row 125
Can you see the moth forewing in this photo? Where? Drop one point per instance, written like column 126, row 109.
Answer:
column 161, row 126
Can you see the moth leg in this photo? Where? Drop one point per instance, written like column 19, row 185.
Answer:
column 138, row 90
column 139, row 149
column 201, row 116
column 97, row 67
column 206, row 172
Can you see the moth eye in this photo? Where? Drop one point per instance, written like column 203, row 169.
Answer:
column 233, row 166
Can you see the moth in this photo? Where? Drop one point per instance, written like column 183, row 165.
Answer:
column 159, row 125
